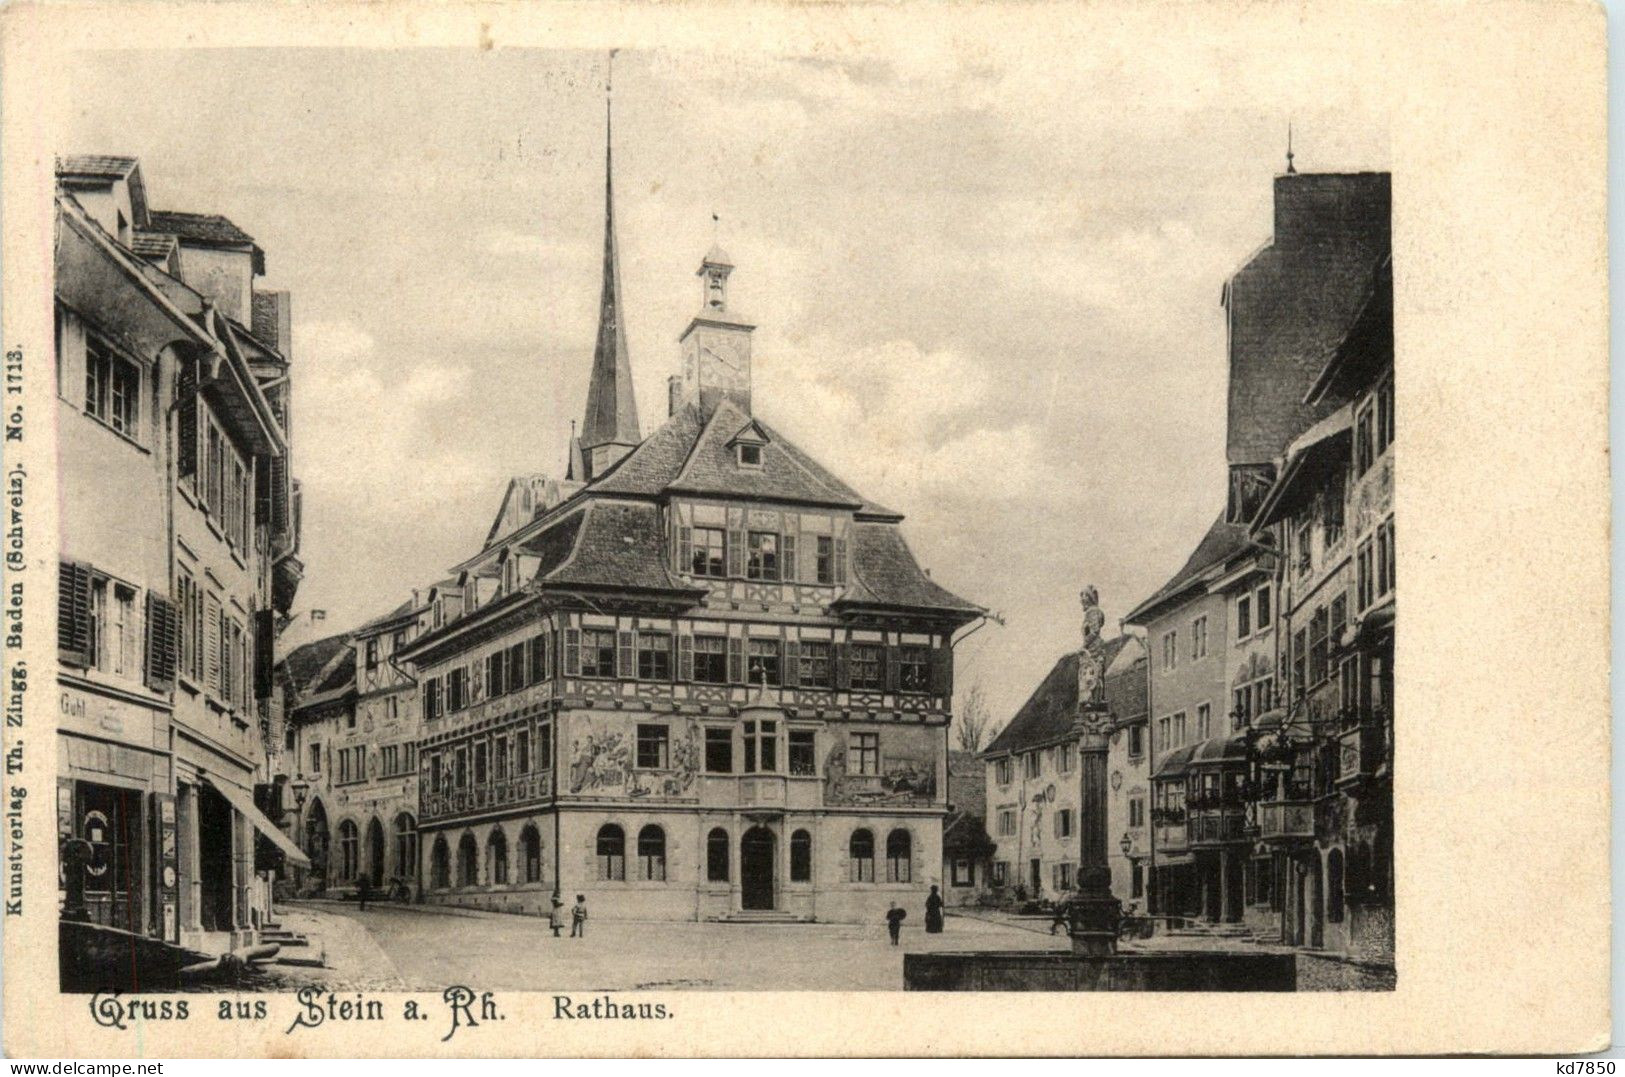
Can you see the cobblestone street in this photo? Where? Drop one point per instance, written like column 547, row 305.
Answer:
column 392, row 947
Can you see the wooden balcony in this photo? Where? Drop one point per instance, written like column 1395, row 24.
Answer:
column 1216, row 826
column 1286, row 821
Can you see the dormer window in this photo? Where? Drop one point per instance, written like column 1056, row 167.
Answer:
column 748, row 445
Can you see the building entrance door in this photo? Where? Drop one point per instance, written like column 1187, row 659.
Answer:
column 110, row 820
column 1035, row 877
column 756, row 868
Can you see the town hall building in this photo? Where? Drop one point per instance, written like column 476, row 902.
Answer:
column 705, row 680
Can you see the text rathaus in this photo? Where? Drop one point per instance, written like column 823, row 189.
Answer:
column 700, row 678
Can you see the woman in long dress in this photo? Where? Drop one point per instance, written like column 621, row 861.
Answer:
column 933, row 913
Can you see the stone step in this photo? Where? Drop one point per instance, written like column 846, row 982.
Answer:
column 763, row 916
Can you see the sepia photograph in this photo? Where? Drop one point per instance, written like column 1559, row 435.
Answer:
column 583, row 524
column 472, row 571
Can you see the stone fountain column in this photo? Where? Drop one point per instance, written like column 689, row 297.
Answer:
column 1095, row 914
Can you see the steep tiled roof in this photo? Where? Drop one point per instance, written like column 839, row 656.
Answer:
column 209, row 228
column 1294, row 301
column 304, row 665
column 964, row 836
column 92, row 164
column 1128, row 687
column 1222, row 542
column 885, row 573
column 785, row 475
column 1049, row 713
column 619, row 544
column 152, row 244
column 395, row 614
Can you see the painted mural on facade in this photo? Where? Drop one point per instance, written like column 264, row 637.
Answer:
column 907, row 771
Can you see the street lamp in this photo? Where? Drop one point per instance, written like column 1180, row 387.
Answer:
column 301, row 789
column 1126, row 844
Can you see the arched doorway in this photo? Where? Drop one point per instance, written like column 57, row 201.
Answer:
column 756, row 856
column 316, row 843
column 375, row 853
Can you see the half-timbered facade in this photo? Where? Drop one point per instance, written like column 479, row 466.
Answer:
column 711, row 682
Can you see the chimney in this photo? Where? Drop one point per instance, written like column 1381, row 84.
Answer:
column 273, row 321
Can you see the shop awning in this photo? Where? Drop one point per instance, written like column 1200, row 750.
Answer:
column 243, row 801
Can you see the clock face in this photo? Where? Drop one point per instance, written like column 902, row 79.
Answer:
column 726, row 355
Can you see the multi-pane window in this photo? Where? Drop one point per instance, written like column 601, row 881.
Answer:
column 1244, row 616
column 112, row 388
column 456, row 689
column 861, row 853
column 1305, row 551
column 863, row 753
column 899, row 856
column 316, row 758
column 964, row 873
column 1199, row 638
column 825, row 563
column 1170, row 651
column 711, row 659
column 1063, row 823
column 1063, row 877
column 709, row 553
column 1318, row 646
column 803, row 752
column 1179, row 727
column 914, row 668
column 801, row 857
column 500, row 758
column 1165, row 733
column 611, row 853
column 867, row 662
column 654, row 746
column 1300, row 661
column 716, row 856
column 762, row 556
column 761, row 747
column 1136, row 811
column 1365, row 439
column 1007, row 823
column 816, row 668
column 1204, row 721
column 597, row 652
column 521, row 752
column 1065, row 757
column 1263, row 609
column 1003, row 771
column 652, row 854
column 1031, row 763
column 719, row 750
column 654, row 656
column 1136, row 741
column 1385, row 557
column 1385, row 415
column 481, row 758
column 764, row 661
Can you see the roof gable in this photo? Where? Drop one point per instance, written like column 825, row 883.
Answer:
column 1221, row 542
column 1050, row 712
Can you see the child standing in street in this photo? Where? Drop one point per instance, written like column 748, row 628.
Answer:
column 578, row 917
column 894, row 921
column 556, row 917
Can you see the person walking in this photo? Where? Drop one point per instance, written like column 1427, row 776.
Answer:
column 1063, row 909
column 933, row 913
column 362, row 890
column 578, row 918
column 894, row 921
column 556, row 917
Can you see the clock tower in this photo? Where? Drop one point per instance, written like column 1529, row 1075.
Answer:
column 716, row 344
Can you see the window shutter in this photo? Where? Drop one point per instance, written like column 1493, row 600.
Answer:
column 626, row 664
column 572, row 652
column 892, row 680
column 788, row 568
column 736, row 553
column 73, row 613
column 942, row 671
column 840, row 561
column 212, row 625
column 791, row 674
column 161, row 641
column 685, row 549
column 262, row 490
column 264, row 653
column 843, row 671
column 186, row 425
column 685, row 657
column 736, row 660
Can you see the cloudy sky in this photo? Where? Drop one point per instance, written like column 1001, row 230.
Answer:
column 987, row 283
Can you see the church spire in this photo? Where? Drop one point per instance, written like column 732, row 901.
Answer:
column 611, row 427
